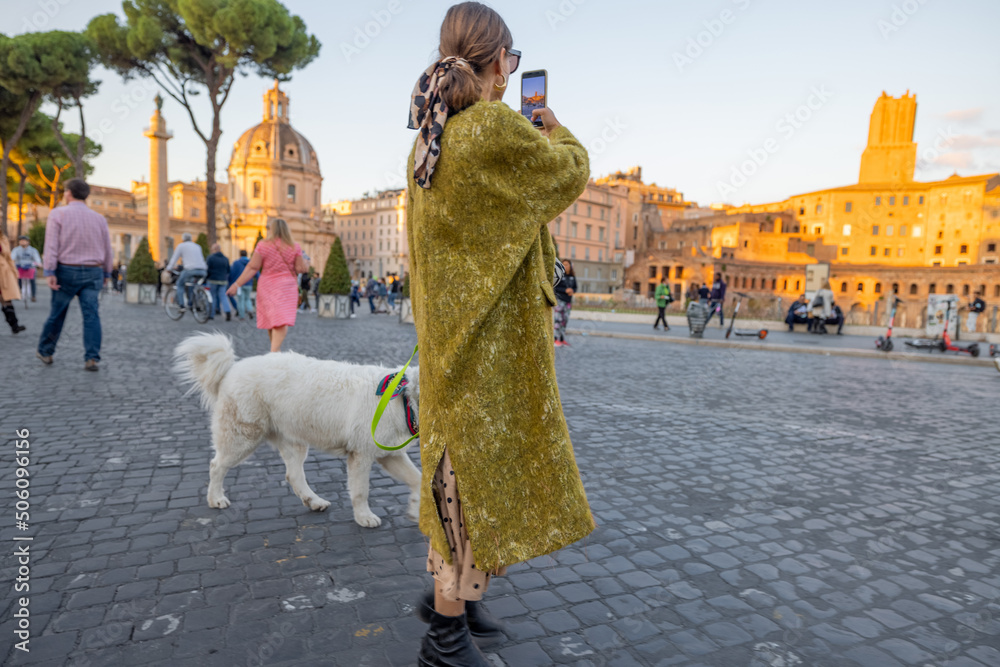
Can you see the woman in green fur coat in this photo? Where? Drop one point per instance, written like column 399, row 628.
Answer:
column 500, row 482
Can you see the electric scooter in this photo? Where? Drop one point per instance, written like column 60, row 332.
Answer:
column 751, row 333
column 884, row 343
column 947, row 345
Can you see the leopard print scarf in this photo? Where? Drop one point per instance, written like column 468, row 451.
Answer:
column 429, row 113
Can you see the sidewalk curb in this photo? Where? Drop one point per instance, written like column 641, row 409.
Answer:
column 764, row 346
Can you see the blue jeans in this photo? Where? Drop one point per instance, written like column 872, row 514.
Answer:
column 218, row 297
column 187, row 276
column 371, row 302
column 84, row 282
column 243, row 300
column 392, row 299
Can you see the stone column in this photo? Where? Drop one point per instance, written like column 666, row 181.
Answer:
column 157, row 209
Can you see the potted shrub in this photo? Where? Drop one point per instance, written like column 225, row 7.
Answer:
column 335, row 285
column 202, row 240
column 405, row 310
column 141, row 277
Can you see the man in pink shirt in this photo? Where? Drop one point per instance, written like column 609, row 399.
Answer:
column 77, row 261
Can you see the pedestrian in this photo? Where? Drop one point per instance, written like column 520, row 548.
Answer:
column 193, row 265
column 564, row 303
column 159, row 279
column 78, row 262
column 355, row 297
column 500, row 482
column 242, row 298
column 315, row 291
column 704, row 294
column 821, row 307
column 977, row 306
column 304, row 285
column 718, row 297
column 393, row 291
column 837, row 317
column 371, row 292
column 114, row 277
column 9, row 289
column 279, row 260
column 692, row 295
column 383, row 294
column 798, row 313
column 26, row 259
column 218, row 280
column 663, row 299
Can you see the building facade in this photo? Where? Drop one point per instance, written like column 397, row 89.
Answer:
column 373, row 233
column 274, row 172
column 878, row 233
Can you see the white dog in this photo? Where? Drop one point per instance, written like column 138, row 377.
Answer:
column 293, row 402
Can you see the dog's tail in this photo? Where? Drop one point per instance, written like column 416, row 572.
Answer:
column 203, row 361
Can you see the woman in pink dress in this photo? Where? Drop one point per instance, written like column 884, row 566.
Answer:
column 279, row 260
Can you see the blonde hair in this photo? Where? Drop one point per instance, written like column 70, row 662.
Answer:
column 277, row 229
column 826, row 285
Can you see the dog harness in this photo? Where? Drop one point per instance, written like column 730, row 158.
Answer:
column 400, row 390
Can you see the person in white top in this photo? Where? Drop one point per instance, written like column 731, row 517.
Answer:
column 192, row 263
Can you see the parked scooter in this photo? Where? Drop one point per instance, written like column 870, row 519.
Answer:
column 884, row 343
column 947, row 345
column 751, row 333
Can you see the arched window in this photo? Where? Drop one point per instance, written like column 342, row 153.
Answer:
column 843, row 287
column 291, row 193
column 965, row 290
column 913, row 288
column 256, row 189
column 878, row 288
column 950, row 289
column 895, row 288
column 861, row 287
column 932, row 288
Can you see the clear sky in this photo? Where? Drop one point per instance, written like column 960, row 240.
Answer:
column 688, row 90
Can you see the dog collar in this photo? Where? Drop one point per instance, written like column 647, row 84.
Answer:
column 411, row 415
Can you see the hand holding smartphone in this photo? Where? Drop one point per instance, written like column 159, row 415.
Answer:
column 534, row 94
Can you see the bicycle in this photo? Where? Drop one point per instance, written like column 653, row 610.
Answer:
column 24, row 282
column 198, row 298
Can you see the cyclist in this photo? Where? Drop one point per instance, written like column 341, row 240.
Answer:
column 193, row 265
column 26, row 259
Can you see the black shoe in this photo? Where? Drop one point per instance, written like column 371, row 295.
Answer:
column 18, row 329
column 448, row 643
column 229, row 316
column 480, row 621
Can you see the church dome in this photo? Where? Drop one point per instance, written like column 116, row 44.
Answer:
column 274, row 140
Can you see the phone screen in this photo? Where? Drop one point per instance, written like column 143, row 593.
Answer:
column 533, row 89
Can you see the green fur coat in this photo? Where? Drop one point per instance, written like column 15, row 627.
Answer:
column 481, row 267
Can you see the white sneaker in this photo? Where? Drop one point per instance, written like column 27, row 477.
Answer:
column 353, row 316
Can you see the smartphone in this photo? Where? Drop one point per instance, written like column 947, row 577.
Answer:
column 534, row 91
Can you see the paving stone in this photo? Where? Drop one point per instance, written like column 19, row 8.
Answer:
column 868, row 546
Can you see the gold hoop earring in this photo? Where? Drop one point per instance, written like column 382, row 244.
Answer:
column 504, row 86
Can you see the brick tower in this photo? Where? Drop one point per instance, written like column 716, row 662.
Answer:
column 891, row 154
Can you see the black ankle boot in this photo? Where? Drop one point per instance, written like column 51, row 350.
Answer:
column 8, row 313
column 448, row 643
column 480, row 621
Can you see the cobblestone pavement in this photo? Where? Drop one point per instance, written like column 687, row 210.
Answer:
column 761, row 509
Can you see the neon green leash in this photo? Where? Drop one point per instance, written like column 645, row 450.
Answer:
column 383, row 403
